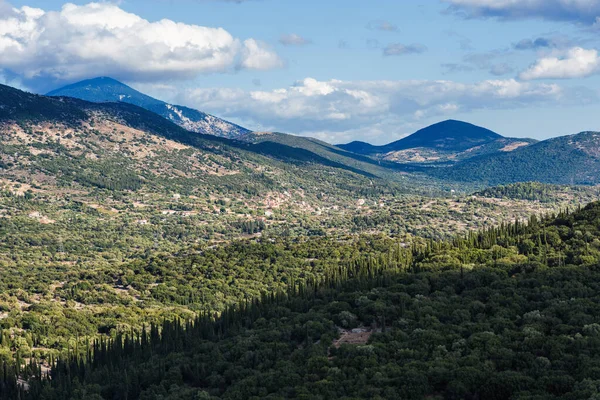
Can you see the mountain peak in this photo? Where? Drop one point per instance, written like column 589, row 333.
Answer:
column 445, row 137
column 105, row 89
column 93, row 83
column 101, row 80
column 451, row 134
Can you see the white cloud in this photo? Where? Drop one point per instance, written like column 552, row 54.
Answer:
column 576, row 63
column 363, row 109
column 582, row 11
column 257, row 55
column 103, row 39
column 294, row 39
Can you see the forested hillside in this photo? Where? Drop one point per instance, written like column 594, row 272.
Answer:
column 573, row 159
column 506, row 313
column 216, row 246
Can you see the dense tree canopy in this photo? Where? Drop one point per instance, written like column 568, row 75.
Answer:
column 508, row 313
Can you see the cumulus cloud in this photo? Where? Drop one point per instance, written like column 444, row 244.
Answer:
column 103, row 39
column 257, row 55
column 580, row 11
column 337, row 110
column 293, row 39
column 575, row 63
column 382, row 25
column 399, row 49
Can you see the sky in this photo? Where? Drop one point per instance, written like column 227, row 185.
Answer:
column 338, row 70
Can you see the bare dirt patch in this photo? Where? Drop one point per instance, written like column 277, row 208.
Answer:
column 514, row 146
column 356, row 336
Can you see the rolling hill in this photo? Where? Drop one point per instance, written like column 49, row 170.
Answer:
column 380, row 168
column 22, row 107
column 446, row 141
column 104, row 89
column 495, row 160
column 573, row 159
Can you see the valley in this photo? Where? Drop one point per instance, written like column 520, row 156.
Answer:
column 115, row 219
column 316, row 200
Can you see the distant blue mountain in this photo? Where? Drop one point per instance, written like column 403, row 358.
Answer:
column 104, row 89
column 450, row 135
column 446, row 135
column 447, row 141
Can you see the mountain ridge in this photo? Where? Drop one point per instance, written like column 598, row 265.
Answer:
column 570, row 159
column 564, row 160
column 449, row 135
column 19, row 106
column 106, row 89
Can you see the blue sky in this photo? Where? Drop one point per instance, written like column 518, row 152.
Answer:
column 337, row 70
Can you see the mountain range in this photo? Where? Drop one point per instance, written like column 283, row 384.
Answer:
column 68, row 142
column 462, row 152
column 104, row 90
column 447, row 152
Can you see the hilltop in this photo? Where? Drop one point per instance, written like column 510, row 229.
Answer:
column 446, row 141
column 450, row 135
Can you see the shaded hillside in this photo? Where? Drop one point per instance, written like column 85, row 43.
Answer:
column 22, row 106
column 571, row 159
column 327, row 151
column 101, row 90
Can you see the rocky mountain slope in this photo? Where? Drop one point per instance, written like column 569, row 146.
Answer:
column 104, row 89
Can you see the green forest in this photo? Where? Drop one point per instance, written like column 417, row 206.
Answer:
column 504, row 313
